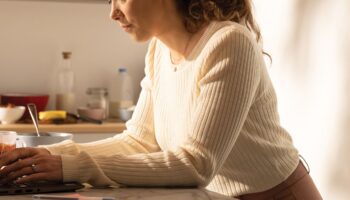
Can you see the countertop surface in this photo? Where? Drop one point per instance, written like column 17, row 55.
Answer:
column 138, row 193
column 114, row 126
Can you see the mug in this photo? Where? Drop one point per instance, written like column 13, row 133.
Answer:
column 8, row 141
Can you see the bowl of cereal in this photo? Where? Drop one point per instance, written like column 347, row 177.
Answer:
column 10, row 113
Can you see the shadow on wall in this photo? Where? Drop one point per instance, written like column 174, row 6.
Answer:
column 340, row 175
column 320, row 46
column 299, row 41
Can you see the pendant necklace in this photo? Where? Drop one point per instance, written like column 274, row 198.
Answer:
column 184, row 53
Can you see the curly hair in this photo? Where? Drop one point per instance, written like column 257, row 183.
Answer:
column 196, row 13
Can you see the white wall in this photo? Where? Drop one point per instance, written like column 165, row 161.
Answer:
column 33, row 34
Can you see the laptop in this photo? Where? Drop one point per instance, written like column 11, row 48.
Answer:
column 39, row 187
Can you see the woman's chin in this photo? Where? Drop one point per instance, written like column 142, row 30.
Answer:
column 140, row 38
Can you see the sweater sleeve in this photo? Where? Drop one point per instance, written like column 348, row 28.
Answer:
column 227, row 86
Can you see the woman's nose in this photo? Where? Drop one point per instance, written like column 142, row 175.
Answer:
column 116, row 14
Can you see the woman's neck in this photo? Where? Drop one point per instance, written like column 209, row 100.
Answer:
column 176, row 37
column 181, row 42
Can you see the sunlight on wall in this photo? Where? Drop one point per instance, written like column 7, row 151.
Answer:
column 310, row 77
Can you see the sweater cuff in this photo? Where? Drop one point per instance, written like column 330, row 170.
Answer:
column 53, row 151
column 84, row 169
column 70, row 169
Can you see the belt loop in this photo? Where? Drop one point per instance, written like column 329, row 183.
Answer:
column 306, row 165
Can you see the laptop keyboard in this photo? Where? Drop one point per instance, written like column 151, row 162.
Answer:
column 38, row 187
column 17, row 188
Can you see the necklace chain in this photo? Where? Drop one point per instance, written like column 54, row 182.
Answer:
column 184, row 51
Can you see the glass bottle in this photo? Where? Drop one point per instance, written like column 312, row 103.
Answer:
column 65, row 97
column 121, row 92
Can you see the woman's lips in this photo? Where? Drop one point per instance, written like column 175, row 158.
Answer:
column 126, row 27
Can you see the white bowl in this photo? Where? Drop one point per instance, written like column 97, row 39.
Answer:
column 9, row 115
column 126, row 113
column 94, row 113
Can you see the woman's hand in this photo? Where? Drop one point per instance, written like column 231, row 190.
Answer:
column 30, row 164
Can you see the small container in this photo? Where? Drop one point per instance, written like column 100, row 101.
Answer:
column 126, row 113
column 98, row 99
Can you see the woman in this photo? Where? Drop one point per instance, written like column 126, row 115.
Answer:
column 206, row 115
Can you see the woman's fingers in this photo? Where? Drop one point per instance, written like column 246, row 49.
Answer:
column 35, row 177
column 16, row 166
column 18, row 169
column 38, row 164
column 16, row 174
column 18, row 158
column 49, row 169
column 12, row 156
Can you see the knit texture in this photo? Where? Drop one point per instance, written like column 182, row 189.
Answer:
column 210, row 121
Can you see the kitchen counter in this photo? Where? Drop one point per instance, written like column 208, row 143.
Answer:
column 111, row 126
column 140, row 194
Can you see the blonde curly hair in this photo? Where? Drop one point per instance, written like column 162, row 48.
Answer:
column 196, row 13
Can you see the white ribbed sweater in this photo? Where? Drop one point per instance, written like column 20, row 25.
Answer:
column 210, row 121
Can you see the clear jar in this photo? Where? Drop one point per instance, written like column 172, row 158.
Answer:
column 98, row 99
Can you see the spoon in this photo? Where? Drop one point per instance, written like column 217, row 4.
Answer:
column 33, row 113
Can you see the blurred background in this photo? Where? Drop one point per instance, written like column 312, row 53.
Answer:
column 309, row 41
